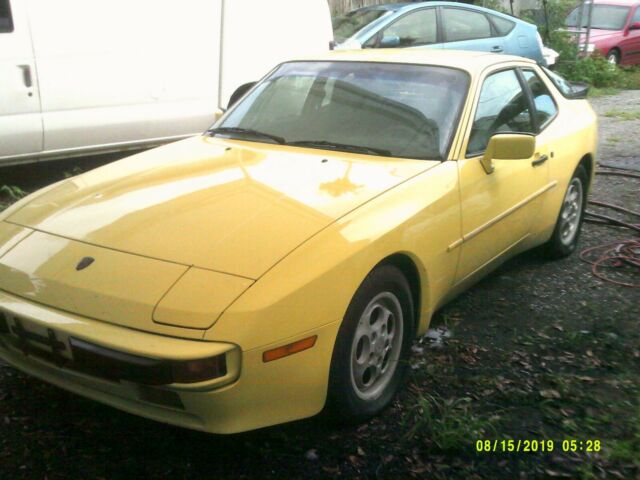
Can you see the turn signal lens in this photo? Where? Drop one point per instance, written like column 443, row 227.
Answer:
column 194, row 371
column 290, row 349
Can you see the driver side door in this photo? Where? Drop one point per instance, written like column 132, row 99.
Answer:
column 498, row 207
column 630, row 43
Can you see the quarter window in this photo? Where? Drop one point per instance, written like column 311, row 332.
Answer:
column 503, row 108
column 6, row 23
column 418, row 28
column 462, row 24
column 503, row 26
column 546, row 108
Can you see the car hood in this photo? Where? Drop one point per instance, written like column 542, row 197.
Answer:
column 229, row 206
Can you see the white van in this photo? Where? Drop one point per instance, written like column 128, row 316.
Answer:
column 89, row 76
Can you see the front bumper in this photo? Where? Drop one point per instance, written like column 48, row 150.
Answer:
column 252, row 394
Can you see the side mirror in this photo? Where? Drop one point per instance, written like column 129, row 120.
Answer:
column 578, row 90
column 239, row 93
column 634, row 26
column 389, row 41
column 217, row 115
column 507, row 146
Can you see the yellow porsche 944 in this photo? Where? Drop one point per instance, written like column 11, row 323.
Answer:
column 281, row 263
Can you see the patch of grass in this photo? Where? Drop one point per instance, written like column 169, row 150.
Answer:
column 595, row 92
column 624, row 114
column 613, row 139
column 449, row 424
column 628, row 450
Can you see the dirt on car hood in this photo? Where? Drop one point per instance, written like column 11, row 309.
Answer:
column 224, row 205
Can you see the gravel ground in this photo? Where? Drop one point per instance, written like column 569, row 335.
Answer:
column 538, row 350
column 619, row 135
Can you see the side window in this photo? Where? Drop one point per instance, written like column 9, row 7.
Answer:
column 6, row 23
column 460, row 24
column 417, row 28
column 503, row 26
column 636, row 16
column 502, row 108
column 546, row 108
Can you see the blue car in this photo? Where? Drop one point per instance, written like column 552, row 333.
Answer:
column 437, row 25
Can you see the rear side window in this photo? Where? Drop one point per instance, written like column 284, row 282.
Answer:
column 416, row 28
column 546, row 108
column 462, row 24
column 503, row 26
column 6, row 23
column 502, row 108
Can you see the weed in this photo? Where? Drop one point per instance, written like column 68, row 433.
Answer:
column 628, row 450
column 12, row 192
column 448, row 423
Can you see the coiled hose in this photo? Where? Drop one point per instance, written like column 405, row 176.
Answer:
column 622, row 256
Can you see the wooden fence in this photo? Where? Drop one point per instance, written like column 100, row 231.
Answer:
column 341, row 6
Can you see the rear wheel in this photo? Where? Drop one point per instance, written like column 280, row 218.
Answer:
column 569, row 223
column 369, row 357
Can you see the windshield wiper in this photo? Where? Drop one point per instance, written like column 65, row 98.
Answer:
column 340, row 146
column 246, row 131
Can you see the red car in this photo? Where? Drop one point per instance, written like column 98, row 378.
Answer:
column 615, row 29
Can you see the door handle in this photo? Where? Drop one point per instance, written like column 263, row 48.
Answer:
column 540, row 160
column 496, row 49
column 26, row 75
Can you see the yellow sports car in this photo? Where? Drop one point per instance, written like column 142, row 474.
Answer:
column 282, row 262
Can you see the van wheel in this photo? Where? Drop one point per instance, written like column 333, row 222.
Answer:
column 569, row 223
column 370, row 355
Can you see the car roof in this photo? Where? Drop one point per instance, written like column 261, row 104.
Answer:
column 385, row 6
column 622, row 3
column 471, row 61
column 406, row 6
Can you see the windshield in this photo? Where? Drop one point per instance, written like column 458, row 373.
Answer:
column 604, row 17
column 397, row 110
column 345, row 26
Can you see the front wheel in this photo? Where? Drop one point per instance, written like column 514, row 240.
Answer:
column 613, row 57
column 569, row 223
column 373, row 344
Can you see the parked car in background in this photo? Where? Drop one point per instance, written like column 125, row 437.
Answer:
column 88, row 76
column 285, row 259
column 444, row 25
column 615, row 29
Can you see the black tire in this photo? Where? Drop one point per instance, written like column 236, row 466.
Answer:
column 562, row 243
column 346, row 401
column 613, row 57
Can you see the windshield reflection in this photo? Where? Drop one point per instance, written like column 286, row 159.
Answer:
column 397, row 110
